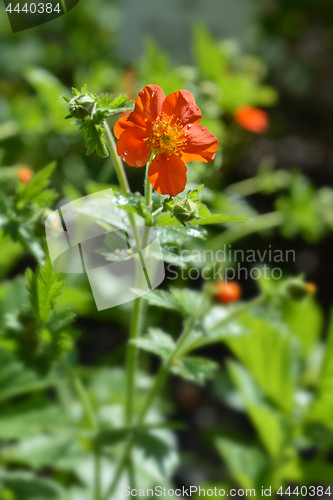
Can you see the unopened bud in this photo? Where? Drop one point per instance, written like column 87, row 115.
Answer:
column 82, row 106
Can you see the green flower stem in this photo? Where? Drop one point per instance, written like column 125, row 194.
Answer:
column 90, row 415
column 138, row 306
column 161, row 376
column 131, row 357
column 157, row 213
column 148, row 186
column 118, row 164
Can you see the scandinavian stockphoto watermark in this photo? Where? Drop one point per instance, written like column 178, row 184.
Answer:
column 228, row 264
column 26, row 14
column 196, row 491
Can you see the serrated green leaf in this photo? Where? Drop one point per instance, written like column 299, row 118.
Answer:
column 156, row 341
column 94, row 134
column 194, row 368
column 133, row 203
column 44, row 289
column 180, row 299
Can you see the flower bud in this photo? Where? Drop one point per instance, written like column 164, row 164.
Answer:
column 297, row 289
column 185, row 211
column 82, row 106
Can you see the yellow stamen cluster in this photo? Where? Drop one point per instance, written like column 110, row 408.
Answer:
column 167, row 135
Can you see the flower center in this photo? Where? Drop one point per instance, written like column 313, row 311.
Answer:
column 167, row 135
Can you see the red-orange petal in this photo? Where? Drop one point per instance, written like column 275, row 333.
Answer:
column 167, row 174
column 253, row 119
column 201, row 144
column 148, row 105
column 182, row 105
column 121, row 125
column 132, row 148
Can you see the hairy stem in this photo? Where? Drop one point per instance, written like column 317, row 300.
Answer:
column 131, row 358
column 118, row 164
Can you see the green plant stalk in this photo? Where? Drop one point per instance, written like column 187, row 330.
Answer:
column 240, row 230
column 131, row 357
column 160, row 377
column 118, row 164
column 90, row 415
column 139, row 306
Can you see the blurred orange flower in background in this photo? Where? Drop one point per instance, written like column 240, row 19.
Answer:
column 24, row 174
column 228, row 292
column 253, row 119
column 167, row 127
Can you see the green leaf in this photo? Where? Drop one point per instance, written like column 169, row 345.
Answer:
column 322, row 408
column 27, row 420
column 168, row 220
column 308, row 472
column 94, row 134
column 156, row 341
column 27, row 486
column 35, row 190
column 30, row 243
column 16, row 380
column 43, row 450
column 133, row 203
column 180, row 299
column 305, row 320
column 194, row 368
column 179, row 234
column 220, row 219
column 44, row 332
column 266, row 420
column 247, row 464
column 191, row 368
column 44, row 289
column 270, row 353
column 155, row 446
column 215, row 327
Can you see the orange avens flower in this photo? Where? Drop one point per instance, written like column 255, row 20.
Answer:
column 252, row 119
column 167, row 127
column 24, row 174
